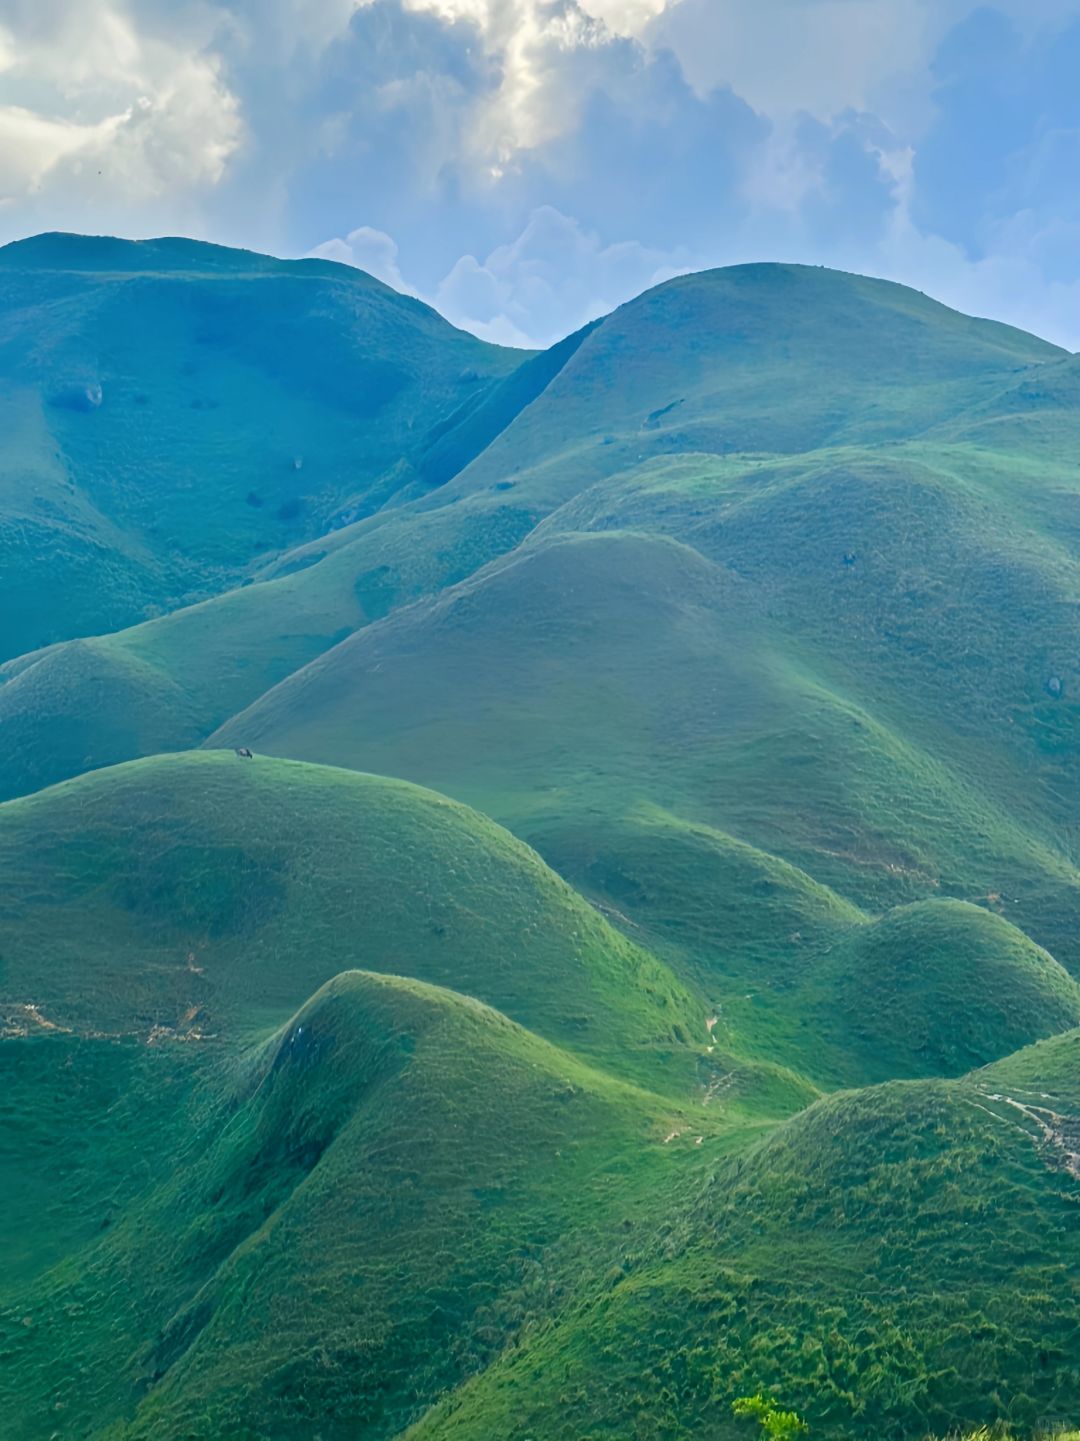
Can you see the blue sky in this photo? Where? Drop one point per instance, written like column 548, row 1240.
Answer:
column 528, row 164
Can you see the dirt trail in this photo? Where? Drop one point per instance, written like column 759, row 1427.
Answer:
column 20, row 1018
column 1061, row 1133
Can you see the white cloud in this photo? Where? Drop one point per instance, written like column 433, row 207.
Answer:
column 454, row 119
column 553, row 279
column 104, row 110
column 370, row 250
column 1007, row 284
column 527, row 44
column 814, row 56
column 31, row 145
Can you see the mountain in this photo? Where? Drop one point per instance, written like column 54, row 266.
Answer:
column 752, row 359
column 556, row 429
column 174, row 412
column 538, row 892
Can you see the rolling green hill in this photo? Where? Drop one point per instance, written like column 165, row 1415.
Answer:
column 639, row 965
column 391, row 1134
column 891, row 1262
column 173, row 411
column 739, row 343
column 498, row 691
column 203, row 892
column 754, row 359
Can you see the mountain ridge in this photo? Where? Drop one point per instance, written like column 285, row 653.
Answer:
column 538, row 891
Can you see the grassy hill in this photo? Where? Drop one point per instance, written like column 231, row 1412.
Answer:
column 204, row 892
column 499, row 691
column 754, row 358
column 278, row 1189
column 174, row 411
column 694, row 1011
column 358, row 1210
column 891, row 1262
column 870, row 362
column 167, row 683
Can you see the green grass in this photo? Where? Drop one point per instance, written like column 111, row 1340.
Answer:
column 183, row 411
column 392, row 1142
column 500, row 691
column 235, row 888
column 712, row 1040
column 891, row 1262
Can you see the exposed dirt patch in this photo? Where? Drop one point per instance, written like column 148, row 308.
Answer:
column 1059, row 1132
column 23, row 1018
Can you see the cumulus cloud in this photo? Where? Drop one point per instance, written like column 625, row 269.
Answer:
column 552, row 279
column 791, row 57
column 367, row 249
column 103, row 108
column 527, row 164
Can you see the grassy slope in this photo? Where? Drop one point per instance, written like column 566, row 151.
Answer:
column 930, row 989
column 358, row 1212
column 502, row 691
column 754, row 358
column 182, row 410
column 956, row 592
column 203, row 882
column 167, row 683
column 765, row 761
column 188, row 1139
column 890, row 1261
column 732, row 347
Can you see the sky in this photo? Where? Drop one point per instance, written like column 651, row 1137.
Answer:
column 527, row 165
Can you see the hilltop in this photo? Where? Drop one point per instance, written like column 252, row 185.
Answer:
column 638, row 965
column 389, row 1130
column 202, row 893
column 175, row 412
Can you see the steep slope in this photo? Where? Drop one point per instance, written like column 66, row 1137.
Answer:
column 890, row 1263
column 706, row 363
column 359, row 1212
column 752, row 608
column 591, row 673
column 174, row 410
column 752, row 358
column 168, row 683
column 205, row 893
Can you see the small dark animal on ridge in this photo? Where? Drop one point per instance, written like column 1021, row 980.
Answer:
column 243, row 752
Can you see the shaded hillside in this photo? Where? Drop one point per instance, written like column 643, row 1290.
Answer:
column 173, row 411
column 168, row 683
column 358, row 1211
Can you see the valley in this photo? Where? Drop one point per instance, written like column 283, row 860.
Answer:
column 539, row 891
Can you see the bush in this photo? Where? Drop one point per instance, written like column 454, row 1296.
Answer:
column 777, row 1425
